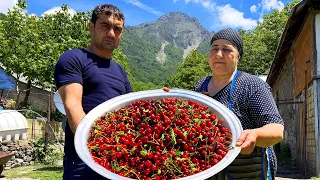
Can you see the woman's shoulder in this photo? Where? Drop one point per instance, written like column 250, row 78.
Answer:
column 252, row 82
column 200, row 84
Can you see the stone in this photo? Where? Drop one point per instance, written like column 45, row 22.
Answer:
column 23, row 142
column 29, row 152
column 5, row 142
column 4, row 148
column 13, row 148
column 27, row 159
column 19, row 161
column 15, row 165
column 7, row 168
column 25, row 164
column 31, row 162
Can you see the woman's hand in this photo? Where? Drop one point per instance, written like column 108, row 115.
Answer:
column 205, row 93
column 247, row 141
column 165, row 89
column 265, row 136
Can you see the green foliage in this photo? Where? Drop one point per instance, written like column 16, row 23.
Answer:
column 193, row 68
column 260, row 44
column 2, row 16
column 50, row 154
column 140, row 86
column 32, row 45
column 204, row 46
column 143, row 43
column 143, row 59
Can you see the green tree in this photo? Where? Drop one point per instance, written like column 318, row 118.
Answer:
column 2, row 16
column 260, row 44
column 194, row 67
column 32, row 45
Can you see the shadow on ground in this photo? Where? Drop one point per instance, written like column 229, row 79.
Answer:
column 289, row 171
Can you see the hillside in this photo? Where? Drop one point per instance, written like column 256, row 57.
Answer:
column 155, row 49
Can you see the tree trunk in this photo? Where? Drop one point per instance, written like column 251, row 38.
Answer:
column 26, row 97
column 46, row 134
column 18, row 95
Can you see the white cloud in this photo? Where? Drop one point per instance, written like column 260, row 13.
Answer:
column 272, row 4
column 253, row 9
column 226, row 15
column 144, row 7
column 57, row 9
column 174, row 1
column 205, row 3
column 7, row 4
column 261, row 20
column 230, row 17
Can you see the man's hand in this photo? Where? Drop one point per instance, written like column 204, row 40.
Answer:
column 247, row 141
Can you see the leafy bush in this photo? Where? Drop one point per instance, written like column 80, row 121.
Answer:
column 50, row 154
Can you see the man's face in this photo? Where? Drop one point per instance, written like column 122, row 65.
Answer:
column 107, row 32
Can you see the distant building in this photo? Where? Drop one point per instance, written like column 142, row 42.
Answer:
column 38, row 97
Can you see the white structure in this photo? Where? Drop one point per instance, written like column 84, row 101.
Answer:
column 263, row 77
column 13, row 126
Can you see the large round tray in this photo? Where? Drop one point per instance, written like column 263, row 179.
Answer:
column 226, row 117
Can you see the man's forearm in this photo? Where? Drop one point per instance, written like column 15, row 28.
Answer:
column 269, row 135
column 74, row 115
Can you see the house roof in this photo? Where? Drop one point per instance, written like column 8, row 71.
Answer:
column 292, row 28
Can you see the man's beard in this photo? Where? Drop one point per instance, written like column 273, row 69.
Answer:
column 108, row 46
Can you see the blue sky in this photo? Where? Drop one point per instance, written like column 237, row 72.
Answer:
column 212, row 14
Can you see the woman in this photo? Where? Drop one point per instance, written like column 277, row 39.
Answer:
column 251, row 100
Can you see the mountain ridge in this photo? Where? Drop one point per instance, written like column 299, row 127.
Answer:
column 163, row 43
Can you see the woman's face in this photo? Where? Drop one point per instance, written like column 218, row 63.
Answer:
column 223, row 57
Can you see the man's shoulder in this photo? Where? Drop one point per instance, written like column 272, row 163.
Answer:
column 74, row 52
column 73, row 55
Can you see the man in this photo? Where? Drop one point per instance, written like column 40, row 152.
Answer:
column 87, row 77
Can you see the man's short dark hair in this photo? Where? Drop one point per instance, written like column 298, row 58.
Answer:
column 106, row 9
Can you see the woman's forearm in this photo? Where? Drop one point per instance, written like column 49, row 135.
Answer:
column 269, row 135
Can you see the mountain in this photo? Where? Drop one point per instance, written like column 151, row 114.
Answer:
column 155, row 49
column 204, row 46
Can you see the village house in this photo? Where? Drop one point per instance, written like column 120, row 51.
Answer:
column 295, row 80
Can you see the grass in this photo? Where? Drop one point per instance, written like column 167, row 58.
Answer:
column 37, row 171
